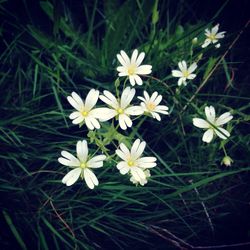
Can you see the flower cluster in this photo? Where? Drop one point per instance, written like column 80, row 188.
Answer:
column 187, row 73
column 122, row 108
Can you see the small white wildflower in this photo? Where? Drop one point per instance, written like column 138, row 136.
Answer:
column 120, row 108
column 132, row 162
column 213, row 124
column 142, row 182
column 227, row 161
column 213, row 36
column 184, row 73
column 151, row 105
column 132, row 67
column 82, row 165
column 85, row 112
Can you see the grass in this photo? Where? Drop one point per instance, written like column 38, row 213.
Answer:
column 189, row 192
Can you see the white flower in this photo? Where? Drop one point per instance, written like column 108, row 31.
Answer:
column 213, row 124
column 150, row 104
column 82, row 165
column 184, row 73
column 213, row 36
column 85, row 111
column 132, row 162
column 120, row 107
column 142, row 182
column 131, row 67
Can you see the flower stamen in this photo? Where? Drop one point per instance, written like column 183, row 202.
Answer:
column 211, row 37
column 151, row 106
column 131, row 70
column 84, row 113
column 83, row 165
column 131, row 163
column 120, row 111
column 186, row 73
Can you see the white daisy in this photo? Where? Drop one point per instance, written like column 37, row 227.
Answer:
column 184, row 73
column 131, row 67
column 132, row 162
column 142, row 182
column 151, row 105
column 82, row 165
column 120, row 108
column 85, row 112
column 213, row 36
column 213, row 124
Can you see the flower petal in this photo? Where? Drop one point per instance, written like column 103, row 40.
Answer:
column 97, row 158
column 191, row 76
column 138, row 80
column 132, row 80
column 146, row 162
column 89, row 124
column 208, row 135
column 82, row 150
column 158, row 99
column 200, row 123
column 140, row 59
column 78, row 120
column 206, row 43
column 69, row 159
column 215, row 29
column 124, row 121
column 210, row 114
column 127, row 96
column 90, row 178
column 182, row 65
column 144, row 70
column 75, row 115
column 123, row 155
column 71, row 177
column 103, row 114
column 134, row 56
column 74, row 104
column 177, row 73
column 96, row 161
column 121, row 60
column 192, row 68
column 91, row 99
column 123, row 167
column 137, row 173
column 125, row 150
column 137, row 149
column 222, row 133
column 134, row 110
column 125, row 57
column 223, row 119
column 109, row 99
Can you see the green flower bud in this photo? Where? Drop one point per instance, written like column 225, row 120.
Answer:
column 195, row 41
column 227, row 161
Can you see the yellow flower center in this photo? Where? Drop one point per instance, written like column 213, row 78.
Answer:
column 131, row 70
column 131, row 163
column 185, row 73
column 120, row 111
column 84, row 113
column 151, row 106
column 83, row 165
column 211, row 37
